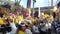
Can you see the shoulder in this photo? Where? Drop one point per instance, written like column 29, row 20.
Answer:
column 27, row 30
column 21, row 32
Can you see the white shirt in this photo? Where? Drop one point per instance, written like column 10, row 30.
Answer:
column 43, row 27
column 13, row 27
column 48, row 25
column 28, row 31
column 35, row 28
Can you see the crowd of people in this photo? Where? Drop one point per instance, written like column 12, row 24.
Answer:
column 19, row 21
column 18, row 24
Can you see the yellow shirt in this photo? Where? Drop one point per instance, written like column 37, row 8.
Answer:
column 1, row 21
column 21, row 32
column 15, row 20
column 12, row 18
column 20, row 18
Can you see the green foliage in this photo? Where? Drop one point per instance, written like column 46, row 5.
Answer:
column 34, row 0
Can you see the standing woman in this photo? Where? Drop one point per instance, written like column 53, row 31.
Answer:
column 28, row 29
column 48, row 26
column 35, row 29
column 22, row 28
column 13, row 27
column 43, row 27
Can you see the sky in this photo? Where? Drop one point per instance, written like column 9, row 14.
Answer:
column 39, row 3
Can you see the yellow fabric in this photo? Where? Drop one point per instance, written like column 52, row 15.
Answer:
column 20, row 18
column 21, row 32
column 1, row 21
column 15, row 20
column 46, row 15
column 10, row 17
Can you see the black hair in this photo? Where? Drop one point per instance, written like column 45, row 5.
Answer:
column 19, row 26
column 41, row 21
column 34, row 23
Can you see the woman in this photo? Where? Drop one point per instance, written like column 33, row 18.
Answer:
column 13, row 27
column 48, row 26
column 42, row 28
column 28, row 29
column 35, row 28
column 22, row 28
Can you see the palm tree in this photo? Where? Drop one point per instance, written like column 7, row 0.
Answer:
column 34, row 2
column 17, row 2
column 33, row 8
column 0, row 0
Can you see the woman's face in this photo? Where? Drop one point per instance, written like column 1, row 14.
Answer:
column 23, row 28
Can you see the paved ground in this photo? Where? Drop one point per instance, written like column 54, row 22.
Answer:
column 1, row 33
column 53, row 33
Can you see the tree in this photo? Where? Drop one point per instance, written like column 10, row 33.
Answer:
column 0, row 0
column 58, row 4
column 34, row 2
column 17, row 2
